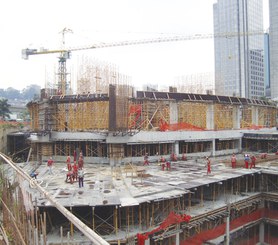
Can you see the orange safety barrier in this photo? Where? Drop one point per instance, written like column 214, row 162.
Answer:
column 171, row 219
column 164, row 126
column 236, row 223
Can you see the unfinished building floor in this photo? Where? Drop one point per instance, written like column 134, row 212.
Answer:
column 120, row 202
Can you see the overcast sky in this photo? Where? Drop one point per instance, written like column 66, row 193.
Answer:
column 38, row 23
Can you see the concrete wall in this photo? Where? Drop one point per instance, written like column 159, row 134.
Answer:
column 4, row 131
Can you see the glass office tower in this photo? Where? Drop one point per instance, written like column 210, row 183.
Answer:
column 239, row 57
column 273, row 47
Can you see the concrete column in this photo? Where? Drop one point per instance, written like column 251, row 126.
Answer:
column 261, row 233
column 255, row 115
column 213, row 147
column 210, row 117
column 240, row 145
column 147, row 242
column 178, row 235
column 173, row 112
column 236, row 117
column 176, row 149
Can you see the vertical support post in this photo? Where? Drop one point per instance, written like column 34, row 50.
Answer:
column 213, row 147
column 71, row 224
column 116, row 220
column 61, row 235
column 140, row 217
column 202, row 196
column 261, row 233
column 189, row 201
column 178, row 235
column 228, row 225
column 93, row 218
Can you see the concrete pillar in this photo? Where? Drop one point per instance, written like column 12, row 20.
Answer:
column 173, row 112
column 240, row 145
column 236, row 117
column 178, row 235
column 210, row 117
column 213, row 147
column 261, row 233
column 176, row 149
column 255, row 115
column 147, row 241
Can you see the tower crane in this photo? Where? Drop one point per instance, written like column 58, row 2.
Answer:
column 65, row 53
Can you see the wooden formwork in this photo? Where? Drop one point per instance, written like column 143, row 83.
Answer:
column 246, row 117
column 34, row 114
column 81, row 116
column 194, row 114
column 152, row 114
column 223, row 116
column 267, row 117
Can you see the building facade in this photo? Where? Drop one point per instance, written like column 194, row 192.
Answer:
column 239, row 57
column 273, row 46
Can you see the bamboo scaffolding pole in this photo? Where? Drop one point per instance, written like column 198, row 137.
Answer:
column 89, row 233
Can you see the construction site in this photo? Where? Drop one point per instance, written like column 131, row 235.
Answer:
column 124, row 137
column 124, row 200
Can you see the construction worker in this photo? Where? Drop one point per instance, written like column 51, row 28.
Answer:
column 80, row 162
column 253, row 161
column 208, row 165
column 173, row 157
column 75, row 171
column 74, row 155
column 168, row 165
column 184, row 158
column 233, row 161
column 68, row 163
column 163, row 166
column 146, row 159
column 34, row 174
column 246, row 160
column 69, row 177
column 50, row 163
column 80, row 177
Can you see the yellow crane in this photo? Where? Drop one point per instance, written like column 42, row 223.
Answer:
column 65, row 53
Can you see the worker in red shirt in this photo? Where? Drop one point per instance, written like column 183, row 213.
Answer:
column 208, row 165
column 50, row 163
column 233, row 161
column 75, row 170
column 253, row 161
column 80, row 162
column 68, row 163
column 146, row 159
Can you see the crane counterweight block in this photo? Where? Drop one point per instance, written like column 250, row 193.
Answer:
column 26, row 52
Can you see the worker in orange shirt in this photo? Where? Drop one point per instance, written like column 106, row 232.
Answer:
column 233, row 161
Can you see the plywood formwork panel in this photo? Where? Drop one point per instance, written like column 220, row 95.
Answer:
column 82, row 116
column 193, row 114
column 267, row 117
column 46, row 149
column 34, row 114
column 246, row 117
column 223, row 116
column 60, row 117
column 153, row 113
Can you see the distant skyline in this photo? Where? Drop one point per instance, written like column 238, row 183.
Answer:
column 36, row 24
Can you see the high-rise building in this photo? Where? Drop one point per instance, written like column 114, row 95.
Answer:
column 273, row 47
column 267, row 66
column 239, row 57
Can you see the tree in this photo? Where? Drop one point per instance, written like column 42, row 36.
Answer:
column 4, row 108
